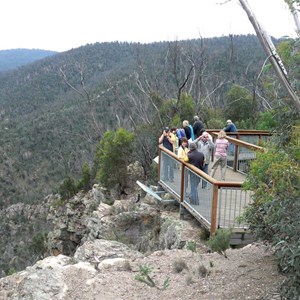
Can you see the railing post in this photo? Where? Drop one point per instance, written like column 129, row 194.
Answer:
column 235, row 158
column 182, row 182
column 159, row 162
column 214, row 209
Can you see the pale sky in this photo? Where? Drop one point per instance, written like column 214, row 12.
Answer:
column 61, row 25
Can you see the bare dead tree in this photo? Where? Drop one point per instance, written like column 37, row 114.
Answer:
column 84, row 94
column 272, row 54
column 181, row 75
column 145, row 88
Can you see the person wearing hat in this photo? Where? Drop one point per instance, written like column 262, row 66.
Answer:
column 167, row 141
column 195, row 158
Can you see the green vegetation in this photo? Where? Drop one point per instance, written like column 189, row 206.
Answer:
column 85, row 181
column 204, row 234
column 191, row 245
column 10, row 271
column 114, row 154
column 144, row 276
column 38, row 245
column 50, row 131
column 69, row 187
column 219, row 242
column 240, row 106
column 82, row 116
column 275, row 213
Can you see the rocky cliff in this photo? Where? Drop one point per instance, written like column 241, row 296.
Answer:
column 99, row 248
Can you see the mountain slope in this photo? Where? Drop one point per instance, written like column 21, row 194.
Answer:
column 55, row 110
column 14, row 58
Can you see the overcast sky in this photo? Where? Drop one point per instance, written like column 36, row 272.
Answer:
column 60, row 25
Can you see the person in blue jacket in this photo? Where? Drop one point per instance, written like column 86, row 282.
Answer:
column 230, row 127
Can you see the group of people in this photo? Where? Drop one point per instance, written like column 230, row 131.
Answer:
column 194, row 145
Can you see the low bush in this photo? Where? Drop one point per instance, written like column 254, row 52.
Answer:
column 179, row 265
column 220, row 241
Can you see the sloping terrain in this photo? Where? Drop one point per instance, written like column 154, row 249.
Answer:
column 248, row 273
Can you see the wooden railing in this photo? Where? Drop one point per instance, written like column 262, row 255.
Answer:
column 220, row 202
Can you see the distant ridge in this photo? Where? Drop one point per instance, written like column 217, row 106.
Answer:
column 14, row 58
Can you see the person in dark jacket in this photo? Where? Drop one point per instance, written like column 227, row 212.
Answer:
column 230, row 127
column 195, row 158
column 197, row 126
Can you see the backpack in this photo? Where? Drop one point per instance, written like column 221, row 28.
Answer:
column 181, row 133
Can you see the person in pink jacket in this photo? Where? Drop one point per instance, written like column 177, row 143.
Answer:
column 221, row 146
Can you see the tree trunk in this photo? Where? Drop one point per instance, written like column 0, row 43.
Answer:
column 270, row 50
column 294, row 12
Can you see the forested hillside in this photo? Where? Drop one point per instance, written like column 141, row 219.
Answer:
column 54, row 111
column 14, row 58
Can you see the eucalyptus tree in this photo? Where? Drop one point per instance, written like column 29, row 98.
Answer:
column 272, row 54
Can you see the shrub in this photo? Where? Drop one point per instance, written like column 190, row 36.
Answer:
column 219, row 242
column 202, row 271
column 144, row 276
column 204, row 234
column 85, row 181
column 127, row 265
column 192, row 246
column 38, row 245
column 114, row 154
column 275, row 213
column 10, row 271
column 68, row 188
column 179, row 265
column 266, row 121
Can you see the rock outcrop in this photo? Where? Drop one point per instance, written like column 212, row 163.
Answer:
column 23, row 231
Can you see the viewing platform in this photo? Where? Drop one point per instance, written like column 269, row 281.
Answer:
column 215, row 203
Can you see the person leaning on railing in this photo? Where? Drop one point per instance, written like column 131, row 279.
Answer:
column 230, row 127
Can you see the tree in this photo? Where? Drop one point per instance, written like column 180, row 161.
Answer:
column 239, row 105
column 68, row 188
column 272, row 54
column 292, row 6
column 114, row 154
column 85, row 180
